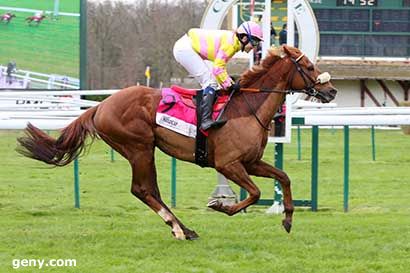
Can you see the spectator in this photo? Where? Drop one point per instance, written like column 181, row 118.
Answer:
column 273, row 34
column 283, row 35
column 279, row 120
column 257, row 54
column 11, row 68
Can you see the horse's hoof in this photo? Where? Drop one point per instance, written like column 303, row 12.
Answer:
column 179, row 236
column 191, row 235
column 216, row 205
column 187, row 235
column 213, row 203
column 287, row 225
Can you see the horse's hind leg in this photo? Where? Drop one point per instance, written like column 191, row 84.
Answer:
column 237, row 173
column 263, row 169
column 144, row 186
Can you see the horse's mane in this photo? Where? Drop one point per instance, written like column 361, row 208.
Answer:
column 237, row 106
column 257, row 71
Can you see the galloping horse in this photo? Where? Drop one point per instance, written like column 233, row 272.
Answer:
column 126, row 121
column 6, row 18
column 36, row 19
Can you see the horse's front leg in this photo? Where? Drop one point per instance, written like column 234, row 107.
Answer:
column 263, row 169
column 236, row 172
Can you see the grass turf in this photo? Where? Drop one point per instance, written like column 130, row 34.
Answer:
column 113, row 232
column 51, row 48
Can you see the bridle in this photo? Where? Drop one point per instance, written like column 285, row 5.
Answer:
column 309, row 89
column 310, row 83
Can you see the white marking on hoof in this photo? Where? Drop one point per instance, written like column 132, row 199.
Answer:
column 176, row 229
column 179, row 234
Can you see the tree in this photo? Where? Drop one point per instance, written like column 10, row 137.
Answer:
column 123, row 39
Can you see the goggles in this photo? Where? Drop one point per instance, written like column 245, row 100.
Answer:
column 254, row 42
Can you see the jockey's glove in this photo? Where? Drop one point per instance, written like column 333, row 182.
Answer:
column 235, row 87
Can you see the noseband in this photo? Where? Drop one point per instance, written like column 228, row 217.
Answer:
column 310, row 83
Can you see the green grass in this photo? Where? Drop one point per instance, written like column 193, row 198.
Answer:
column 52, row 47
column 114, row 232
column 65, row 5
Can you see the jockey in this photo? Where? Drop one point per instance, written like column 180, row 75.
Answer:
column 38, row 14
column 204, row 54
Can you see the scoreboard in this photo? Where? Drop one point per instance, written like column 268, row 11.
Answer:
column 374, row 28
column 379, row 28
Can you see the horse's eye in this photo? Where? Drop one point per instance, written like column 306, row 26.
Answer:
column 311, row 68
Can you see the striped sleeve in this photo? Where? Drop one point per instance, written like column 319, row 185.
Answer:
column 225, row 52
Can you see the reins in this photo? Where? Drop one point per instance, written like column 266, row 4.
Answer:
column 267, row 128
column 310, row 90
column 265, row 90
column 268, row 90
column 303, row 74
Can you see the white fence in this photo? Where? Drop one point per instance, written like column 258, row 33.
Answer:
column 45, row 109
column 30, row 79
column 355, row 116
column 56, row 109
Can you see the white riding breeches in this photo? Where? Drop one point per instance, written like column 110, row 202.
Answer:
column 200, row 69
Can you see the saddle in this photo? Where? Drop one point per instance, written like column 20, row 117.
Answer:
column 188, row 98
column 177, row 112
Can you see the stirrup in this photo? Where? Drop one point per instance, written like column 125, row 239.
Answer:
column 212, row 124
column 218, row 123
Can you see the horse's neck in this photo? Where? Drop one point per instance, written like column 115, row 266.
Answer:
column 270, row 105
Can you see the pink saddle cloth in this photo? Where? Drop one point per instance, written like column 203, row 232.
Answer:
column 177, row 108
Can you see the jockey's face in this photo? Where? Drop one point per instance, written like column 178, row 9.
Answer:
column 249, row 46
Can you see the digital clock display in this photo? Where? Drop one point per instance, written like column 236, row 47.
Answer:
column 360, row 3
column 363, row 27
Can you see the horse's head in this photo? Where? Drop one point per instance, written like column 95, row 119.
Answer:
column 306, row 76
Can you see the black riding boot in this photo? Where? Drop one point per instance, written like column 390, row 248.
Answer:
column 206, row 106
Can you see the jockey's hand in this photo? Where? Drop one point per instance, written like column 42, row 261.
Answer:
column 235, row 87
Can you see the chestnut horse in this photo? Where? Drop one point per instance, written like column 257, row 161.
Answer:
column 126, row 121
column 36, row 19
column 7, row 17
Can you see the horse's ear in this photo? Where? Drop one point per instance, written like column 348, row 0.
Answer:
column 276, row 51
column 286, row 50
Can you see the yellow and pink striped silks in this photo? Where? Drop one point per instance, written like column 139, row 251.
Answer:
column 217, row 46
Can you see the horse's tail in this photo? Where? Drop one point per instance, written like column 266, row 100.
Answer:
column 61, row 151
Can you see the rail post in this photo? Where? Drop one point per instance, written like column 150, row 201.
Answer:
column 373, row 144
column 76, row 184
column 315, row 166
column 299, row 144
column 346, row 169
column 173, row 182
column 277, row 206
